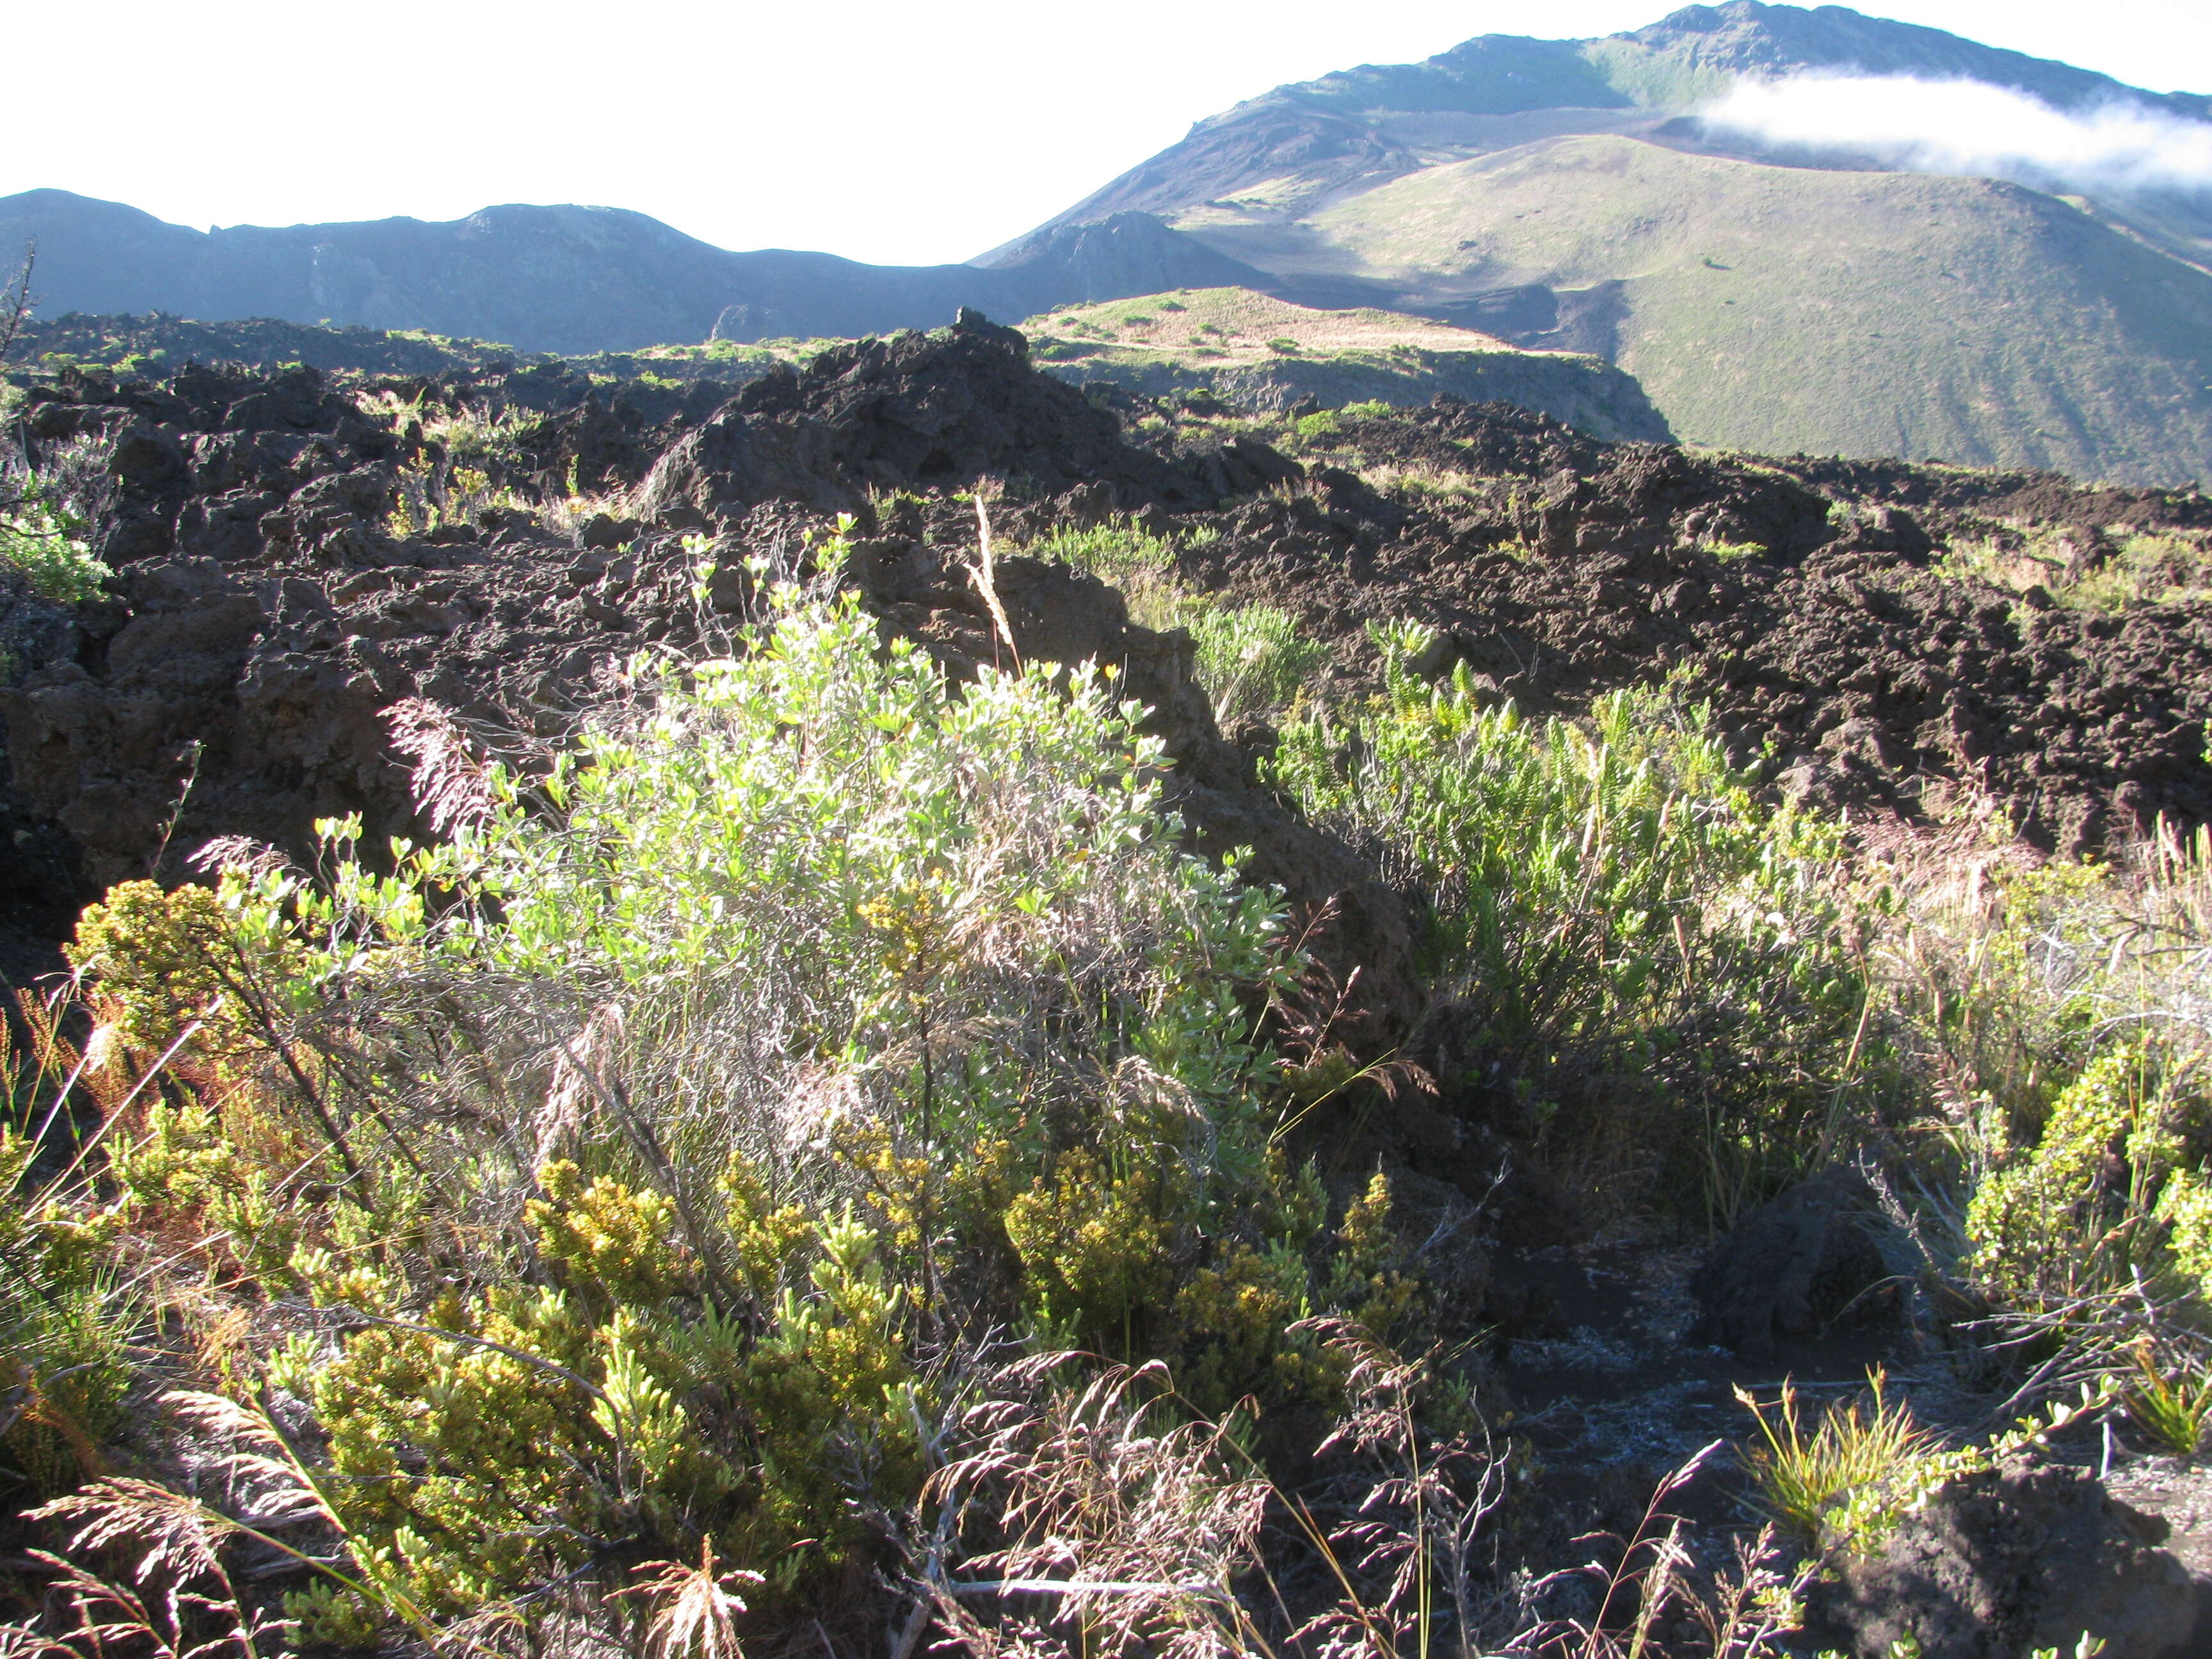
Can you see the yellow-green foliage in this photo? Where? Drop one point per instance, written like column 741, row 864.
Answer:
column 2173, row 1407
column 1868, row 1463
column 161, row 955
column 1858, row 1468
column 2060, row 1003
column 1327, row 425
column 1252, row 658
column 1123, row 554
column 2016, row 991
column 650, row 1145
column 608, row 1238
column 65, row 1332
column 622, row 1395
column 1095, row 1245
column 1115, row 1259
column 43, row 544
column 2106, row 1191
column 2144, row 567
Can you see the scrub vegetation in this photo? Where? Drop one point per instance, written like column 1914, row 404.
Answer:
column 814, row 1152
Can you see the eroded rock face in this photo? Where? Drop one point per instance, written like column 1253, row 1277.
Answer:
column 2029, row 1555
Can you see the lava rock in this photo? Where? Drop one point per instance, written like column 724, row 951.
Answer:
column 1808, row 1260
column 2030, row 1554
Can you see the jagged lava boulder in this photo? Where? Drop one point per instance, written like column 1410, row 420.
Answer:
column 910, row 412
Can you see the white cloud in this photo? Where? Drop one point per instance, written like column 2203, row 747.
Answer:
column 1972, row 128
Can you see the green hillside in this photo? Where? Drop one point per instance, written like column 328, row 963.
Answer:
column 1264, row 352
column 1561, row 194
column 1785, row 308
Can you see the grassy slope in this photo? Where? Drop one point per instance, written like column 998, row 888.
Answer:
column 2062, row 339
column 1230, row 339
column 1864, row 313
column 1234, row 326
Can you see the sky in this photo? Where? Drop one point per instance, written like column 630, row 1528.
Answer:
column 895, row 133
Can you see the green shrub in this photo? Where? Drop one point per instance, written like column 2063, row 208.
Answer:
column 1122, row 554
column 1862, row 1458
column 1648, row 962
column 67, row 1320
column 1867, row 1463
column 2105, row 1195
column 2173, row 1407
column 1252, row 660
column 2058, row 1008
column 662, row 1146
column 44, row 543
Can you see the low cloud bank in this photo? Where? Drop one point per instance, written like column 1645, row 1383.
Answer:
column 1969, row 127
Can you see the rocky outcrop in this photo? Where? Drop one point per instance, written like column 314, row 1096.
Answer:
column 2027, row 1556
column 1799, row 1265
column 913, row 412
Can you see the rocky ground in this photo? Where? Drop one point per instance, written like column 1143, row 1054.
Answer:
column 1796, row 595
column 276, row 593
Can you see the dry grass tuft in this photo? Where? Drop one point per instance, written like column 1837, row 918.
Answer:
column 695, row 1616
column 1132, row 1527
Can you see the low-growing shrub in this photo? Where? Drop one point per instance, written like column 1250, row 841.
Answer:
column 1649, row 965
column 1124, row 555
column 652, row 1160
column 2104, row 1195
column 1252, row 660
column 1863, row 1457
column 2087, row 573
column 2056, row 1011
column 2173, row 1407
column 42, row 542
column 1843, row 1485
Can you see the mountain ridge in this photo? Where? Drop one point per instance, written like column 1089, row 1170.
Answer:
column 1482, row 187
column 1565, row 195
column 563, row 278
column 1692, row 53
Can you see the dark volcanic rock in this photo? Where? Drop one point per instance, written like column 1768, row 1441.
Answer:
column 913, row 411
column 1808, row 1259
column 1829, row 651
column 270, row 614
column 272, row 605
column 2029, row 1555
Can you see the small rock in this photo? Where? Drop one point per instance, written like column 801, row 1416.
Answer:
column 1793, row 1267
